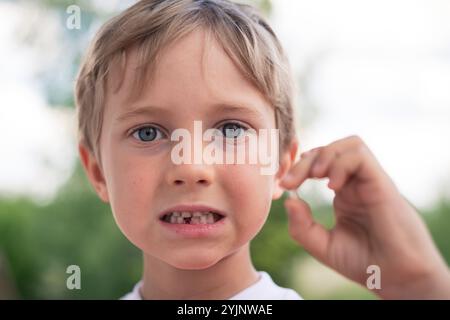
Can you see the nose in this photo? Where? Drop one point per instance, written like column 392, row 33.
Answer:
column 190, row 175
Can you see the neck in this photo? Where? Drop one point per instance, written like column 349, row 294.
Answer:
column 224, row 279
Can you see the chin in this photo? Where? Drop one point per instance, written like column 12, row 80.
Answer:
column 194, row 261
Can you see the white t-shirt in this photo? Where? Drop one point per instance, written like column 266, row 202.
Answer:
column 263, row 289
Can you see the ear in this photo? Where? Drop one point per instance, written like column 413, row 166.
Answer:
column 93, row 171
column 287, row 159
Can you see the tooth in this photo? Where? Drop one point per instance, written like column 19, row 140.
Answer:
column 186, row 214
column 195, row 220
column 203, row 219
column 197, row 214
column 173, row 219
column 176, row 214
column 180, row 220
column 209, row 218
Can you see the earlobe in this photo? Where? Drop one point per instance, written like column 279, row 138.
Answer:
column 284, row 166
column 93, row 172
column 287, row 160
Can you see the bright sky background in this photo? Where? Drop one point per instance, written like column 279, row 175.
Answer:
column 379, row 69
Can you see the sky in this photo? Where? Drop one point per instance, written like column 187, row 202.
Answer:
column 378, row 69
column 381, row 70
column 36, row 141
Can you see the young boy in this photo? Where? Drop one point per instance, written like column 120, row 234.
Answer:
column 162, row 66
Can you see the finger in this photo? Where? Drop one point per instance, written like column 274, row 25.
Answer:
column 332, row 151
column 319, row 168
column 303, row 229
column 355, row 163
column 300, row 171
column 324, row 156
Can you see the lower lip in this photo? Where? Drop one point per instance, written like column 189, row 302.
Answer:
column 195, row 230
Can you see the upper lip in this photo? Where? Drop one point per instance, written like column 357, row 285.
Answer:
column 191, row 208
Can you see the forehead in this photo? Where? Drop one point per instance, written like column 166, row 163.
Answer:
column 192, row 72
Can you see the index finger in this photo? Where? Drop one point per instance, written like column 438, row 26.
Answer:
column 300, row 171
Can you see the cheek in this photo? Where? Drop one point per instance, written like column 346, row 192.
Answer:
column 250, row 194
column 132, row 186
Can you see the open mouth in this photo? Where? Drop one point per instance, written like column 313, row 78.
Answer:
column 195, row 217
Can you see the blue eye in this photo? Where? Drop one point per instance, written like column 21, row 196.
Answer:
column 232, row 130
column 148, row 134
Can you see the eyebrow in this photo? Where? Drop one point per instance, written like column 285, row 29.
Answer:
column 143, row 111
column 219, row 108
column 237, row 108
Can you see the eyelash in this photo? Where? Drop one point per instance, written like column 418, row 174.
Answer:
column 237, row 123
column 136, row 131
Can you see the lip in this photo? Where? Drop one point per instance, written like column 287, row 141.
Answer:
column 193, row 230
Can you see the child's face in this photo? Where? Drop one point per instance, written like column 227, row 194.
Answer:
column 139, row 178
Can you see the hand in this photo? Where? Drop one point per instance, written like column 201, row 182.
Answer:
column 375, row 225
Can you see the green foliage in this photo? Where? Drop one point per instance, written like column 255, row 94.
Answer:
column 274, row 251
column 438, row 221
column 40, row 242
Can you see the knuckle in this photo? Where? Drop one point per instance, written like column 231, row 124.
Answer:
column 322, row 152
column 362, row 150
column 317, row 151
column 356, row 138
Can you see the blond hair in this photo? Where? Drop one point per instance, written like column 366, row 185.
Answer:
column 150, row 25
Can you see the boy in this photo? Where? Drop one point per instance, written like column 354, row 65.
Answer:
column 162, row 66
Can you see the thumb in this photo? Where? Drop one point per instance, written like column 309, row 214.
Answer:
column 303, row 229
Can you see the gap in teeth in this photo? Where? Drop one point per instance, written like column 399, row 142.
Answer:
column 185, row 217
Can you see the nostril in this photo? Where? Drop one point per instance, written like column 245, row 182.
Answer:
column 181, row 182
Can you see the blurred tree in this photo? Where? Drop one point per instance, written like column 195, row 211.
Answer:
column 438, row 221
column 40, row 242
